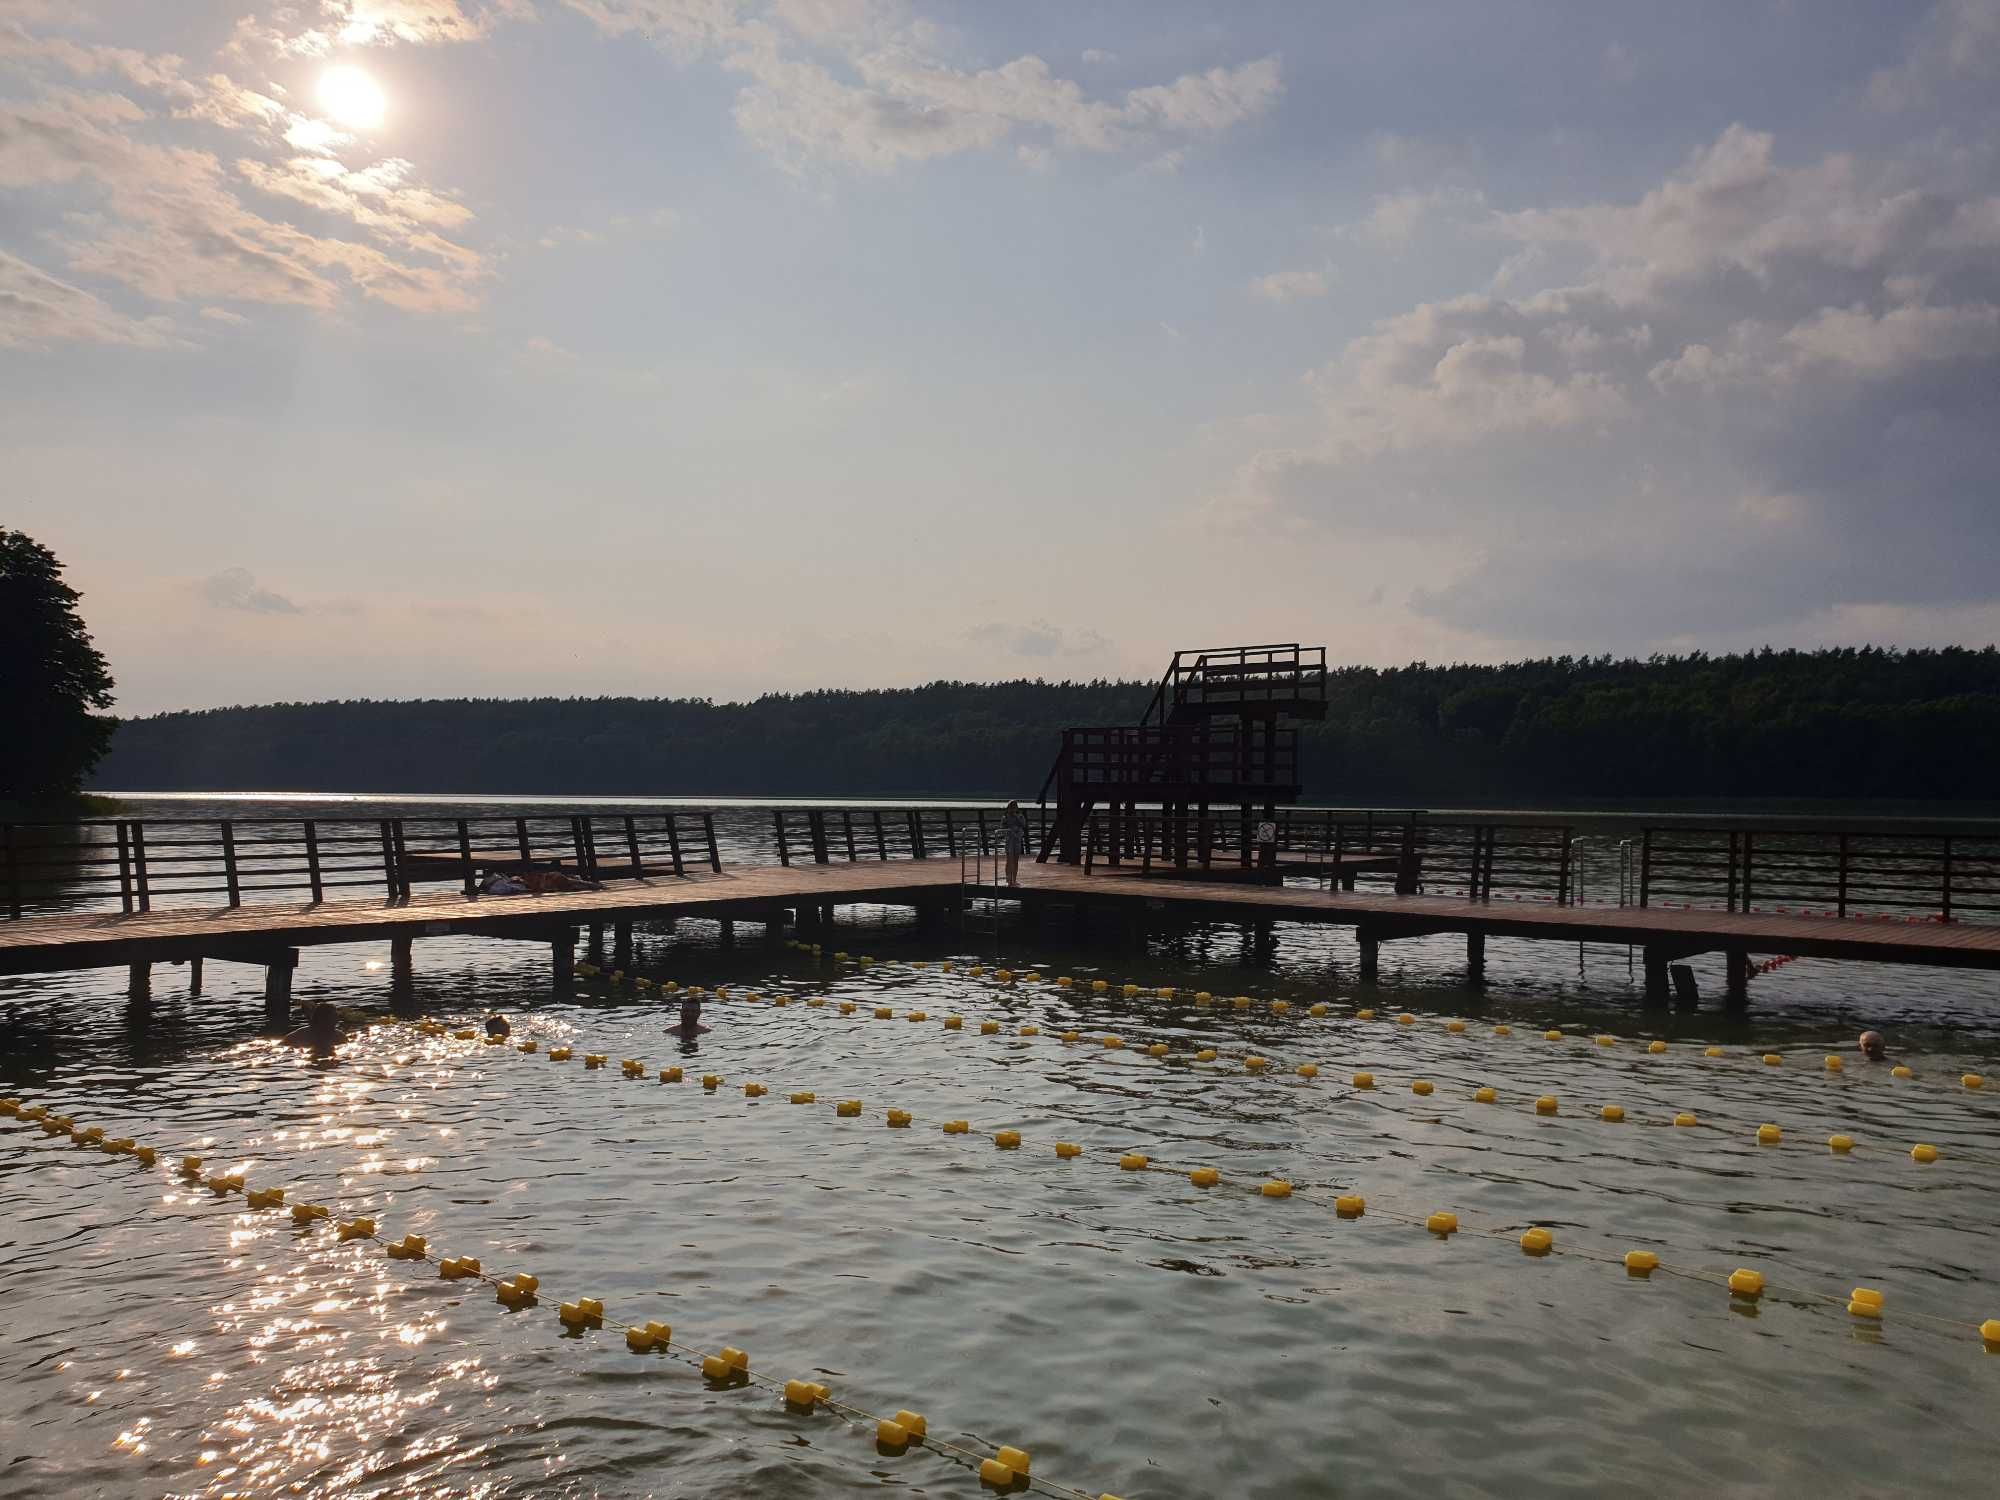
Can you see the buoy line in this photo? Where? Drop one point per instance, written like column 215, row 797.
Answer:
column 1008, row 1468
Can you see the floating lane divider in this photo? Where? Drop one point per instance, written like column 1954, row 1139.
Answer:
column 1536, row 1242
column 1970, row 1082
column 1253, row 1064
column 1008, row 1468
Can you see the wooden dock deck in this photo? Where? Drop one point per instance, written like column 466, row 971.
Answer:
column 271, row 934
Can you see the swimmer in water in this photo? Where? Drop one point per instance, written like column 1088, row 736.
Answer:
column 1872, row 1046
column 689, row 1027
column 497, row 1026
column 322, row 1030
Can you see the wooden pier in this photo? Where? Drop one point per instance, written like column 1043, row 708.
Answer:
column 1898, row 894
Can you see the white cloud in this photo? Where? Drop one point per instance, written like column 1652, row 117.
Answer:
column 1957, row 42
column 236, row 588
column 1038, row 640
column 1289, row 286
column 37, row 311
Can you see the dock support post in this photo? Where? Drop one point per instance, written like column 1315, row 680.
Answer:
column 563, row 953
column 194, row 975
column 597, row 942
column 402, row 971
column 278, row 987
column 139, row 982
column 1736, row 996
column 1475, row 957
column 1656, row 978
column 621, row 945
column 1371, row 953
column 729, row 932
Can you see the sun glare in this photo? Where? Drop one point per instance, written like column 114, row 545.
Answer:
column 351, row 98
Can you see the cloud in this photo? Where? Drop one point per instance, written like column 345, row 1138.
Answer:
column 864, row 92
column 1957, row 43
column 363, row 23
column 224, row 316
column 166, row 222
column 1757, row 394
column 1038, row 640
column 1289, row 286
column 235, row 588
column 37, row 311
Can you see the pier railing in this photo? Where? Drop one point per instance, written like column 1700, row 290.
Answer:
column 1910, row 873
column 137, row 864
column 837, row 835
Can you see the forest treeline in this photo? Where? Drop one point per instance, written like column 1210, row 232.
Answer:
column 1824, row 724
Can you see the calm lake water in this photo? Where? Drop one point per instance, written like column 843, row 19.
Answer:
column 1138, row 1335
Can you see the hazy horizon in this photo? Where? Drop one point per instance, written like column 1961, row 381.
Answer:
column 510, row 348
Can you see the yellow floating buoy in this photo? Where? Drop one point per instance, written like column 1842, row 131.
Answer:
column 1006, row 1140
column 1207, row 1054
column 1158, row 1049
column 989, row 1028
column 1318, row 1008
column 670, row 1075
column 357, row 1229
column 585, row 1312
column 1254, row 1063
column 1203, row 997
column 1129, row 991
column 527, row 1046
column 976, row 971
column 1713, row 1052
column 891, row 1435
column 411, row 1247
column 711, row 1081
column 1067, row 1149
column 913, row 1425
column 264, row 1197
column 1099, row 986
column 1276, row 1190
column 847, row 1007
column 1204, row 1177
column 816, row 1001
column 631, row 1067
column 1537, row 1242
column 801, row 1393
column 559, row 1054
column 1005, row 976
column 1132, row 1161
column 1364, row 1080
column 1279, row 1007
column 754, row 1090
column 1546, row 1105
column 1308, row 1070
column 1865, row 1302
column 1406, row 1019
column 1607, row 1041
column 1972, row 1080
column 516, row 1292
column 1685, row 1118
column 1241, row 1002
column 1833, row 1064
column 145, row 1154
column 1503, row 1031
column 1901, row 1071
column 1769, row 1135
column 1656, row 1046
column 594, row 1059
column 884, row 1013
column 953, row 1023
column 806, row 1096
column 1350, row 1205
column 1552, row 1036
column 1364, row 1015
column 1113, row 1043
column 1442, row 1224
column 1611, row 1113
column 995, row 1473
column 1015, row 1459
column 1031, row 1031
column 1064, row 982
column 898, row 1118
column 918, row 1015
column 1772, row 1060
column 1641, row 1262
column 1840, row 1145
column 1990, row 1331
column 1746, row 1283
column 457, row 1268
column 1420, row 1086
column 1031, row 977
column 1454, row 1027
column 1072, row 1036
column 847, row 1109
column 1923, row 1152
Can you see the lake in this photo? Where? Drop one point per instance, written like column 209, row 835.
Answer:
column 1140, row 1335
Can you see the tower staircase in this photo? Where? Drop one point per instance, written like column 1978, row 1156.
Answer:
column 1220, row 731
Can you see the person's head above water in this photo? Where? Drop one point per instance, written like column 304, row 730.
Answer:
column 497, row 1026
column 1872, row 1045
column 690, row 1010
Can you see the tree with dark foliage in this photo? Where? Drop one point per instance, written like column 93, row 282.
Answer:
column 51, row 677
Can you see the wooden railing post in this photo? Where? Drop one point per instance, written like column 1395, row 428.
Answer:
column 229, row 863
column 918, row 849
column 847, row 823
column 816, row 826
column 388, row 859
column 1645, row 864
column 522, row 840
column 881, row 841
column 784, row 847
column 13, row 870
column 632, row 846
column 1563, row 872
column 674, row 841
column 1946, row 912
column 1841, row 908
column 580, row 841
column 714, row 854
column 465, row 858
column 125, row 866
column 312, row 862
column 1749, row 839
column 950, row 837
column 401, row 833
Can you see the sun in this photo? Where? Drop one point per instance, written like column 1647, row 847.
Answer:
column 351, row 98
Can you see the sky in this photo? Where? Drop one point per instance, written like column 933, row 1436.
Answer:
column 396, row 348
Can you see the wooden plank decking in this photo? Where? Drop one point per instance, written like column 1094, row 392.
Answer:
column 42, row 944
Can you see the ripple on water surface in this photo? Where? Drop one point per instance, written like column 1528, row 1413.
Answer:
column 1138, row 1334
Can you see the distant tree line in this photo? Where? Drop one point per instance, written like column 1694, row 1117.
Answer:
column 1822, row 724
